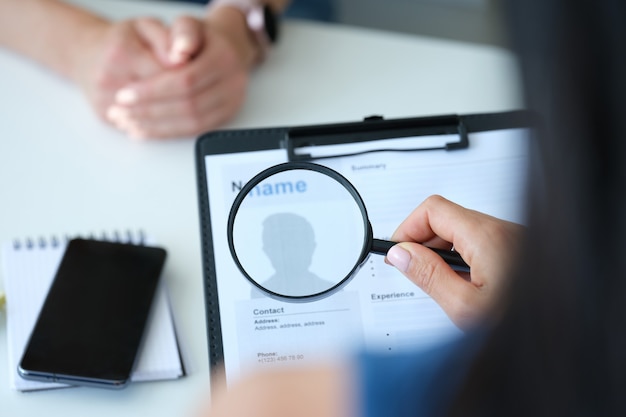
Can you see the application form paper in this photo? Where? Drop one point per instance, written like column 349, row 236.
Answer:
column 379, row 308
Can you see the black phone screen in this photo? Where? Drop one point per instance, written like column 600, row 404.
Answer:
column 92, row 322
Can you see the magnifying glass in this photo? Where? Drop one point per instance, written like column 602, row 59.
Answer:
column 299, row 231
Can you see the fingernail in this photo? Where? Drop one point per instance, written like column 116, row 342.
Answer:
column 181, row 44
column 176, row 58
column 180, row 49
column 115, row 113
column 126, row 96
column 399, row 257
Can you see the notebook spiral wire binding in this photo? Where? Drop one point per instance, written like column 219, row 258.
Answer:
column 128, row 236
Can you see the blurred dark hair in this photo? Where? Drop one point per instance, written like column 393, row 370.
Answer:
column 560, row 348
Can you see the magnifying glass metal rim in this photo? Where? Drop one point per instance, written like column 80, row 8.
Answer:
column 290, row 166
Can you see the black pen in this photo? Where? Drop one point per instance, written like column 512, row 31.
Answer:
column 452, row 258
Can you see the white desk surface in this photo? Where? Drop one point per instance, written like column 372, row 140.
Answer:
column 63, row 171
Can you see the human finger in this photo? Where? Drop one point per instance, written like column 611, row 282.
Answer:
column 462, row 300
column 130, row 57
column 156, row 36
column 183, row 116
column 115, row 57
column 186, row 39
column 175, row 126
column 438, row 219
column 141, row 123
column 434, row 217
column 183, row 81
column 168, row 110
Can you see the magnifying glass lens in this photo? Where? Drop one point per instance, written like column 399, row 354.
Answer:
column 298, row 233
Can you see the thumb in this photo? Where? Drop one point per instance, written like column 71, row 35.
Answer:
column 186, row 39
column 155, row 36
column 435, row 277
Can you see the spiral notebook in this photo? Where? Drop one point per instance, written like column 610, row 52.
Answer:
column 29, row 267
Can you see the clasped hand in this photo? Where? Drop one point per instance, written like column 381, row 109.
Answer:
column 154, row 81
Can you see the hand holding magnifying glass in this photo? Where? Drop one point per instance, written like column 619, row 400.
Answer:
column 298, row 192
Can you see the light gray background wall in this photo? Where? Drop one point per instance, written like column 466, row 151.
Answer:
column 466, row 20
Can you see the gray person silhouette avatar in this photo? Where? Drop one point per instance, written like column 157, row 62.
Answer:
column 289, row 243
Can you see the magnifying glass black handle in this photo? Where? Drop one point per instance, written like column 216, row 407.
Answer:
column 381, row 247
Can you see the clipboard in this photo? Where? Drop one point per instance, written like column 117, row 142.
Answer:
column 449, row 153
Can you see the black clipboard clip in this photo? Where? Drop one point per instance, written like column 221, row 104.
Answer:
column 375, row 128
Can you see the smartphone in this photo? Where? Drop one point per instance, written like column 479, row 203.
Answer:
column 91, row 324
